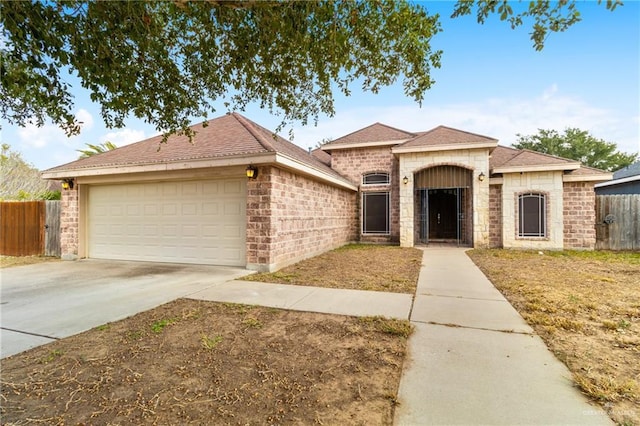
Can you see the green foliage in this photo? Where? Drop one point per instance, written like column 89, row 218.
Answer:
column 168, row 61
column 21, row 181
column 577, row 145
column 96, row 149
column 160, row 325
column 208, row 342
column 547, row 16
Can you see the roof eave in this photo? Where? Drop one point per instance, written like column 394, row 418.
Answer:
column 618, row 181
column 537, row 168
column 259, row 158
column 448, row 147
column 293, row 164
column 350, row 145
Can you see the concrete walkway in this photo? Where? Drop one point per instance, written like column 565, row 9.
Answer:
column 310, row 299
column 474, row 360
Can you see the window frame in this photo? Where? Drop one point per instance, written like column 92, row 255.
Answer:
column 363, row 229
column 542, row 217
column 372, row 174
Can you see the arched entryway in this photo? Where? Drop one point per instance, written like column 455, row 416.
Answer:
column 444, row 205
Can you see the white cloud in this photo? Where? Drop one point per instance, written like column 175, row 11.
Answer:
column 501, row 118
column 48, row 134
column 85, row 119
column 123, row 137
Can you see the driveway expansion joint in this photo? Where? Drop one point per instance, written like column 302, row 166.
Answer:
column 30, row 334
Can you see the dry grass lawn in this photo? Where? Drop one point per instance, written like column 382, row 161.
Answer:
column 586, row 307
column 10, row 261
column 354, row 266
column 195, row 362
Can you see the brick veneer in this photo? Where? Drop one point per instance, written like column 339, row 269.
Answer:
column 69, row 223
column 353, row 163
column 291, row 217
column 495, row 216
column 579, row 215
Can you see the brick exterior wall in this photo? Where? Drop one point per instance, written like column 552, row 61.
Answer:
column 495, row 216
column 579, row 215
column 353, row 164
column 291, row 217
column 69, row 216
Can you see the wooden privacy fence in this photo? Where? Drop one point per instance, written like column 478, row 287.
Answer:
column 618, row 222
column 29, row 228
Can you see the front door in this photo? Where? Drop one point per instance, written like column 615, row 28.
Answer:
column 443, row 214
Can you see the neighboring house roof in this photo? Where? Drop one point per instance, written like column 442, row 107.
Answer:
column 443, row 138
column 628, row 174
column 632, row 170
column 231, row 136
column 375, row 134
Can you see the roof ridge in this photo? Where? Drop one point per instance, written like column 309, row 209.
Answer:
column 463, row 131
column 377, row 123
column 568, row 160
column 249, row 125
column 395, row 128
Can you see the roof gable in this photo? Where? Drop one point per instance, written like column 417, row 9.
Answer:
column 525, row 159
column 446, row 138
column 220, row 137
column 376, row 132
column 226, row 137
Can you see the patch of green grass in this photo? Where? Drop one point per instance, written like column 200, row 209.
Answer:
column 208, row 342
column 239, row 308
column 252, row 322
column 391, row 326
column 160, row 325
column 51, row 356
column 103, row 327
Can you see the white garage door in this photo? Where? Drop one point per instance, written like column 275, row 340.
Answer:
column 185, row 222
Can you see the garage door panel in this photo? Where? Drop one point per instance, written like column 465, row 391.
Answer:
column 189, row 222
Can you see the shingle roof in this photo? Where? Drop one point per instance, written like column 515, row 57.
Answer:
column 376, row 132
column 443, row 135
column 230, row 135
column 323, row 156
column 506, row 157
column 632, row 170
column 501, row 155
column 525, row 157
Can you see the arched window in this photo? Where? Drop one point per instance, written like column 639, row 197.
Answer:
column 532, row 215
column 375, row 178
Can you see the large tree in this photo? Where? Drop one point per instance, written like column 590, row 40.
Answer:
column 19, row 180
column 577, row 145
column 169, row 61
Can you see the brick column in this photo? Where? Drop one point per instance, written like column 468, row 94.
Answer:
column 69, row 223
column 579, row 215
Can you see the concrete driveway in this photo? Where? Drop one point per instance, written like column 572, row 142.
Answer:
column 44, row 302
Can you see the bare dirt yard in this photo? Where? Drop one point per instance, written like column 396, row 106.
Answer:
column 354, row 266
column 196, row 362
column 586, row 307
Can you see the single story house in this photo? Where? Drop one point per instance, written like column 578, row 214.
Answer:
column 625, row 181
column 240, row 195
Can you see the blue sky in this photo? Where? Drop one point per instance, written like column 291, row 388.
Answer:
column 491, row 82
